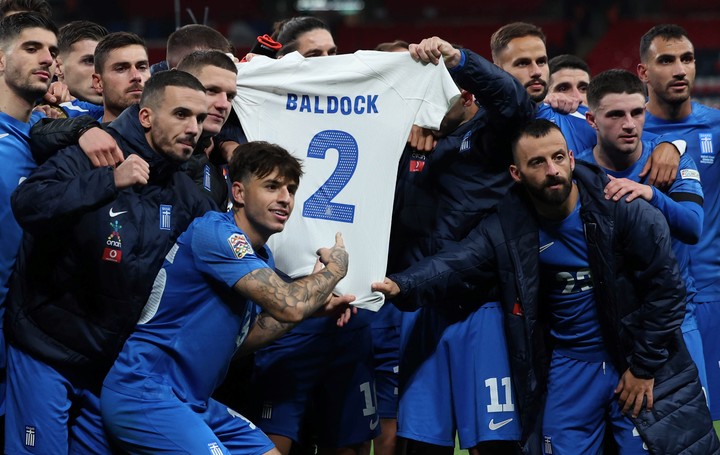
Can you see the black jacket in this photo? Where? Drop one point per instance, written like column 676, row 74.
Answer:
column 638, row 291
column 91, row 252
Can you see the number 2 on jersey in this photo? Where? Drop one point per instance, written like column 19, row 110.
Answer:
column 320, row 204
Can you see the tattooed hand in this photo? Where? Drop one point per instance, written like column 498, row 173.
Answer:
column 335, row 259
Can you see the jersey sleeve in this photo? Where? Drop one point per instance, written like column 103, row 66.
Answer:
column 687, row 185
column 223, row 252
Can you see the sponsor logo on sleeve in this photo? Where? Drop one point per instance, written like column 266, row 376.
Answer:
column 691, row 174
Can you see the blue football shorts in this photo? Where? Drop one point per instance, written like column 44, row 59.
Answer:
column 708, row 321
column 580, row 403
column 50, row 412
column 160, row 422
column 455, row 376
column 333, row 370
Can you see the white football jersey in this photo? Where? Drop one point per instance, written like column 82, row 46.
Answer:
column 347, row 117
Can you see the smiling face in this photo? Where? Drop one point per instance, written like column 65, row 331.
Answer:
column 669, row 70
column 76, row 68
column 174, row 127
column 221, row 87
column 27, row 62
column 526, row 59
column 123, row 77
column 267, row 204
column 619, row 119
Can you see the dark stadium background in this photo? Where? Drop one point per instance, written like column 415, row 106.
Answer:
column 604, row 32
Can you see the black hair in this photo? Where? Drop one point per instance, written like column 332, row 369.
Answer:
column 199, row 59
column 259, row 159
column 75, row 31
column 114, row 41
column 567, row 61
column 41, row 7
column 12, row 26
column 612, row 81
column 664, row 31
column 155, row 86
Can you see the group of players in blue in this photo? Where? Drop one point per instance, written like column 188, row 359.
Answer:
column 576, row 315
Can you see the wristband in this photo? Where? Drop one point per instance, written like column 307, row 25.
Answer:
column 87, row 127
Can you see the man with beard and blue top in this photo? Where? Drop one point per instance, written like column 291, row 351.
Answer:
column 667, row 67
column 617, row 112
column 593, row 302
column 94, row 239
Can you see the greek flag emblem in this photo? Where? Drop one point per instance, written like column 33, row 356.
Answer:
column 165, row 213
column 29, row 436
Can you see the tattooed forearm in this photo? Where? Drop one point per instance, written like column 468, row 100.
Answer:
column 290, row 302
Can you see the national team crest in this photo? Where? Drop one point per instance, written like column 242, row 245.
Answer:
column 466, row 144
column 707, row 154
column 240, row 246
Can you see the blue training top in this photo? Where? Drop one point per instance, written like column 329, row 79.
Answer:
column 681, row 207
column 567, row 289
column 194, row 321
column 17, row 164
column 701, row 131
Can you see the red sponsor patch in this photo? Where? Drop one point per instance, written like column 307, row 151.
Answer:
column 112, row 255
column 517, row 310
column 417, row 165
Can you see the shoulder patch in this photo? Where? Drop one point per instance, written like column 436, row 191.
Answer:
column 240, row 246
column 689, row 174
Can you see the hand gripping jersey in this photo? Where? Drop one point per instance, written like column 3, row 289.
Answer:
column 348, row 118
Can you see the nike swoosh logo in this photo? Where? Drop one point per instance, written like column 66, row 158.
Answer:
column 494, row 426
column 374, row 424
column 4, row 135
column 545, row 247
column 114, row 214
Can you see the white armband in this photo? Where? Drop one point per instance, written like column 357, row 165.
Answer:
column 681, row 145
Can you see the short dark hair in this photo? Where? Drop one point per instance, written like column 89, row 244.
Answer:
column 612, row 81
column 155, row 86
column 41, row 7
column 567, row 61
column 12, row 26
column 664, row 31
column 114, row 41
column 535, row 128
column 286, row 32
column 75, row 31
column 197, row 60
column 502, row 36
column 392, row 46
column 261, row 158
column 194, row 36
